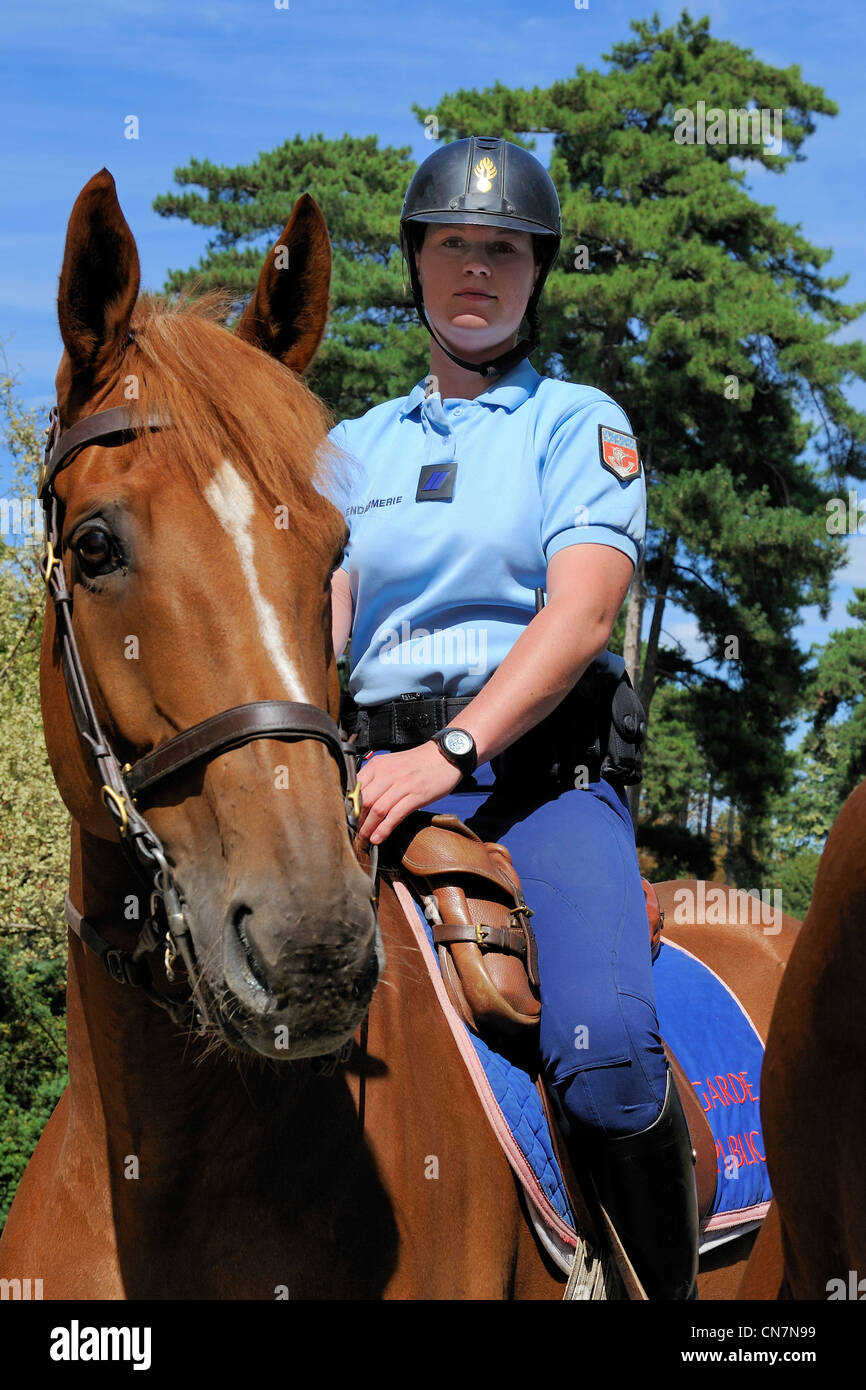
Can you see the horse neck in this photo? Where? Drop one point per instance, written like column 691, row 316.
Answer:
column 137, row 1079
column 216, row 1140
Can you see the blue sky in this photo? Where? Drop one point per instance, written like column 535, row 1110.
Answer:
column 225, row 79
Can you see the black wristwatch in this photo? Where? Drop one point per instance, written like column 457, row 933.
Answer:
column 459, row 748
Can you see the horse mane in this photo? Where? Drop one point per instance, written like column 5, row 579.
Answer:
column 229, row 400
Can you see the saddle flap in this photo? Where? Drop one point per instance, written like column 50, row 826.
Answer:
column 655, row 916
column 703, row 1143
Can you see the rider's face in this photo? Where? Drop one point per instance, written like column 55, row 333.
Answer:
column 476, row 282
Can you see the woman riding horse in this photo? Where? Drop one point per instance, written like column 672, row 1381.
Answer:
column 535, row 483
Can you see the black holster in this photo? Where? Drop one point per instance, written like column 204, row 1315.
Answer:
column 597, row 731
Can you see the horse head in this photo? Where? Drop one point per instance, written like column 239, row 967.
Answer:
column 197, row 558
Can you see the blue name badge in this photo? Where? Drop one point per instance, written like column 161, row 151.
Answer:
column 436, row 482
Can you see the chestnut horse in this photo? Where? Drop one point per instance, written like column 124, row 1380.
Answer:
column 199, row 559
column 198, row 555
column 813, row 1109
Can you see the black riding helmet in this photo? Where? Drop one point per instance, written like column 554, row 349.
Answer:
column 489, row 182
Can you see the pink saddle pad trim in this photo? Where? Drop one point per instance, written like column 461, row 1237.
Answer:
column 516, row 1159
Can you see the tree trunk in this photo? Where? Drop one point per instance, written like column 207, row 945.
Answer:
column 730, row 841
column 631, row 656
column 634, row 624
column 708, row 829
column 652, row 647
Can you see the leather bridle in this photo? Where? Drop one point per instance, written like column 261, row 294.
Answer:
column 120, row 786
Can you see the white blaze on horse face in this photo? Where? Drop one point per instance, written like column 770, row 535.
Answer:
column 232, row 500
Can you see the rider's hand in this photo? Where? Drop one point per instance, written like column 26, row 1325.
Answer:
column 394, row 785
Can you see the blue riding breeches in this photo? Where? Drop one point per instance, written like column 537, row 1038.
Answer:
column 575, row 855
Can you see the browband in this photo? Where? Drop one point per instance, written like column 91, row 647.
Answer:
column 121, row 419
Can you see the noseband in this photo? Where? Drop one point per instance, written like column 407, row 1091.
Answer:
column 166, row 927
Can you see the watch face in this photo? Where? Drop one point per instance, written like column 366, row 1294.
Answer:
column 457, row 742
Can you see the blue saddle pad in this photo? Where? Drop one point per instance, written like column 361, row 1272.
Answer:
column 718, row 1048
column 720, row 1051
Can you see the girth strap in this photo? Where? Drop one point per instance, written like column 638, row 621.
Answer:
column 282, row 719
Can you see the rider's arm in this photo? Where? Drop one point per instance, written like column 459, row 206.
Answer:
column 592, row 529
column 586, row 585
column 341, row 610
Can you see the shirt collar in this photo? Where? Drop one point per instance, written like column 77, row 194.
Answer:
column 509, row 391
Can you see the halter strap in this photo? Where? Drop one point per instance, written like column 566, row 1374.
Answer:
column 262, row 719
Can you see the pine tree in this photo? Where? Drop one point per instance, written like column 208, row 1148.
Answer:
column 373, row 340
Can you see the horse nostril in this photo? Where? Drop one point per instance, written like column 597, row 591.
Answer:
column 254, row 966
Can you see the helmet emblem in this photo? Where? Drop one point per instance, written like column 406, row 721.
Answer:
column 485, row 172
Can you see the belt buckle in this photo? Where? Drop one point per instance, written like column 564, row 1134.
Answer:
column 113, row 962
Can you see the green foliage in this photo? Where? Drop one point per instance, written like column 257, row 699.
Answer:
column 34, row 825
column 673, row 762
column 34, row 841
column 32, row 1059
column 373, row 339
column 802, row 817
column 677, row 852
column 795, row 878
column 837, row 688
column 675, row 767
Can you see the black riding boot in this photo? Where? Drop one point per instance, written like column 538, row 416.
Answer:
column 646, row 1183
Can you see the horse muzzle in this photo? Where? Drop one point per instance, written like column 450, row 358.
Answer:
column 295, row 987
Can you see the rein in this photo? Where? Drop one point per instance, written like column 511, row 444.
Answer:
column 166, row 927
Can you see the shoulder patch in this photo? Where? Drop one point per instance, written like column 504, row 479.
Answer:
column 618, row 453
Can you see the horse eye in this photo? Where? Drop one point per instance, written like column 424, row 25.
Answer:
column 96, row 551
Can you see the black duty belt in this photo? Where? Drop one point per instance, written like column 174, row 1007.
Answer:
column 597, row 731
column 401, row 723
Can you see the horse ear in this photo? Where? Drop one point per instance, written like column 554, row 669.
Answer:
column 100, row 277
column 288, row 313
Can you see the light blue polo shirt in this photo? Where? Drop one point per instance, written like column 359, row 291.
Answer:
column 443, row 589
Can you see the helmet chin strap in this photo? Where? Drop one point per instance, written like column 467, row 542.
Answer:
column 496, row 366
